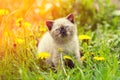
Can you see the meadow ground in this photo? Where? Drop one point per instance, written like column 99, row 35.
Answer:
column 22, row 24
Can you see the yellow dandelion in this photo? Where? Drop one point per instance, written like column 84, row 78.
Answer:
column 92, row 53
column 26, row 24
column 60, row 49
column 82, row 58
column 43, row 55
column 42, row 29
column 67, row 57
column 20, row 41
column 40, row 78
column 19, row 21
column 3, row 12
column 84, row 37
column 34, row 42
column 31, row 34
column 99, row 58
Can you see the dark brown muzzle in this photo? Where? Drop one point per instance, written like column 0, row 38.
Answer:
column 63, row 31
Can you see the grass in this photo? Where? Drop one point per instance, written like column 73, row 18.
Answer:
column 23, row 65
column 18, row 48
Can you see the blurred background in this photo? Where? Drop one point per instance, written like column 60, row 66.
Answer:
column 22, row 24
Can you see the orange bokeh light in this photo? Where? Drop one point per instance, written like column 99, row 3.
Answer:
column 31, row 13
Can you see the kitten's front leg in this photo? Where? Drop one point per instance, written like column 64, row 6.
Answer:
column 56, row 60
column 77, row 56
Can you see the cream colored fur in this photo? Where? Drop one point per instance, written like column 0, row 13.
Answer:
column 52, row 40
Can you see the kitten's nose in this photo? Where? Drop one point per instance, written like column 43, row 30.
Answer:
column 63, row 31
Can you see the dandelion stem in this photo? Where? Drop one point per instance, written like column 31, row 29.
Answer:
column 62, row 64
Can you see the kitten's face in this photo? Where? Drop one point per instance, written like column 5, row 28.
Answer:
column 62, row 29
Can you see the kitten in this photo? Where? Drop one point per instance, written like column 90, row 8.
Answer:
column 62, row 34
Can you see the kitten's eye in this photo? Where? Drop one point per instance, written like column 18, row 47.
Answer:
column 57, row 30
column 66, row 27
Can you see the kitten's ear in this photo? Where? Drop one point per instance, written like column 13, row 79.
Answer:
column 70, row 17
column 49, row 24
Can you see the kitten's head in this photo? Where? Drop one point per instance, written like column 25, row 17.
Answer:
column 62, row 29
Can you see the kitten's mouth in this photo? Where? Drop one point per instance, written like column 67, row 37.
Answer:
column 63, row 33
